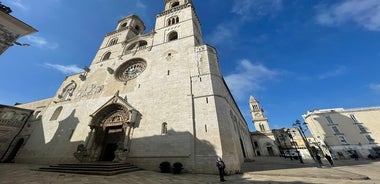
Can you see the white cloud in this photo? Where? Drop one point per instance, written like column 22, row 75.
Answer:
column 340, row 70
column 140, row 4
column 249, row 77
column 375, row 88
column 366, row 13
column 19, row 4
column 222, row 34
column 69, row 69
column 254, row 8
column 41, row 42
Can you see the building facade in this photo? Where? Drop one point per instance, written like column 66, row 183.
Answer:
column 11, row 29
column 146, row 98
column 12, row 121
column 263, row 139
column 346, row 132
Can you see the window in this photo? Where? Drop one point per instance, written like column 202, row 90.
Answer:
column 106, row 56
column 370, row 139
column 164, row 128
column 262, row 128
column 256, row 145
column 137, row 28
column 113, row 41
column 137, row 44
column 175, row 4
column 173, row 36
column 329, row 120
column 173, row 20
column 335, row 129
column 37, row 115
column 353, row 117
column 342, row 139
column 124, row 25
column 362, row 129
column 56, row 113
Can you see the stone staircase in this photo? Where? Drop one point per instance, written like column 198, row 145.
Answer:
column 99, row 168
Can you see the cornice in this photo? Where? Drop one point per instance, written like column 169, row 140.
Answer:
column 174, row 9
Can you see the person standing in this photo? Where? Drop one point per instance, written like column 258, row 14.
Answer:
column 319, row 161
column 221, row 166
column 328, row 158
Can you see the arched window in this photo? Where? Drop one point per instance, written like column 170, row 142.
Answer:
column 173, row 36
column 262, row 128
column 106, row 56
column 137, row 44
column 142, row 43
column 175, row 4
column 113, row 41
column 56, row 113
column 164, row 129
column 124, row 25
column 133, row 45
column 137, row 27
column 37, row 115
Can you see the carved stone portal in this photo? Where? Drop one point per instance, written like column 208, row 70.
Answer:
column 109, row 138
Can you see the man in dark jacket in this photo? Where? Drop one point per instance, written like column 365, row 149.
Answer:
column 220, row 164
column 328, row 158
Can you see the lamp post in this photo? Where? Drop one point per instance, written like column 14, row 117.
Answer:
column 295, row 146
column 302, row 130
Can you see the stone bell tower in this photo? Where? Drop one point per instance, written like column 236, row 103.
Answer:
column 259, row 120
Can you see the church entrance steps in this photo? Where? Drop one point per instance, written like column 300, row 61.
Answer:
column 99, row 168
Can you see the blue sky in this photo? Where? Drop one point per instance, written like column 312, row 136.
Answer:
column 292, row 55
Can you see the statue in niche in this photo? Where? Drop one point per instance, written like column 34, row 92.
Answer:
column 68, row 91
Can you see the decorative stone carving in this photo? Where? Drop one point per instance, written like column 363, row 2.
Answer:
column 130, row 70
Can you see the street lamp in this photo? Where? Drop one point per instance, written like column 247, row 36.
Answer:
column 302, row 130
column 295, row 146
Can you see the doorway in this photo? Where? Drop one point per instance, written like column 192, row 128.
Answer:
column 113, row 137
column 270, row 151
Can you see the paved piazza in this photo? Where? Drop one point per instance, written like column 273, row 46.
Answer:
column 262, row 170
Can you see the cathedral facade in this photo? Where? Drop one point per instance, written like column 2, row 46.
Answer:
column 146, row 98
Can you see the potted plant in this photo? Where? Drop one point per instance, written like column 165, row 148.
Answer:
column 177, row 168
column 165, row 167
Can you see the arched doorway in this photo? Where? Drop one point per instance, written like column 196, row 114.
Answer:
column 110, row 132
column 111, row 127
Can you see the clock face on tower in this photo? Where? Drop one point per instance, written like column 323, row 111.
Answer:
column 258, row 115
column 130, row 70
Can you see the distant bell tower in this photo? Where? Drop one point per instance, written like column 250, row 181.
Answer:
column 259, row 120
